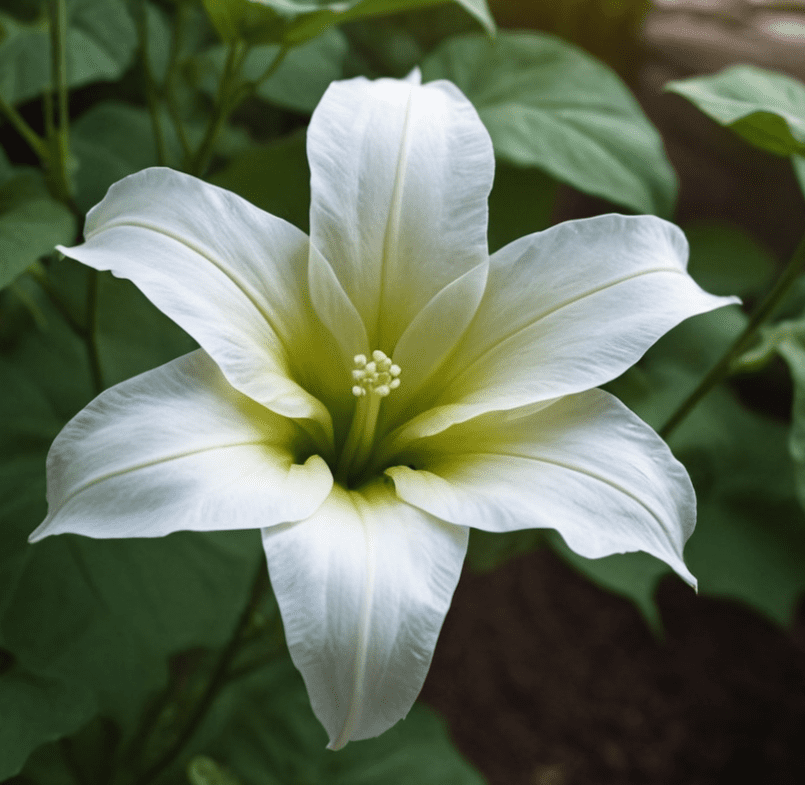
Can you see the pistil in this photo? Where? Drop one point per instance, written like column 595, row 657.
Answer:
column 373, row 379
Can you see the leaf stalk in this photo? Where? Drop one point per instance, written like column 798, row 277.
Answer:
column 723, row 367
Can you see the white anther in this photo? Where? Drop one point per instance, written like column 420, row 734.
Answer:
column 378, row 375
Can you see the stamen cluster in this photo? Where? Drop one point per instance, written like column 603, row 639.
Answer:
column 378, row 375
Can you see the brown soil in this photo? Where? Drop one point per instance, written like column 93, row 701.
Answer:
column 545, row 679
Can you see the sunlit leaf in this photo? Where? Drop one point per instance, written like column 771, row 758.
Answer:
column 764, row 107
column 294, row 21
column 548, row 104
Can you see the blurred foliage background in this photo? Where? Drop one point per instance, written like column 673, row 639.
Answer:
column 107, row 648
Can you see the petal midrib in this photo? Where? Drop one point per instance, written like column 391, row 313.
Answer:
column 156, row 462
column 248, row 291
column 467, row 369
column 390, row 240
column 587, row 473
column 362, row 648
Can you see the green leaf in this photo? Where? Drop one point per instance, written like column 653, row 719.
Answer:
column 111, row 140
column 52, row 359
column 548, row 104
column 205, row 771
column 798, row 163
column 792, row 349
column 725, row 259
column 521, row 202
column 159, row 31
column 766, row 108
column 99, row 615
column 101, row 39
column 786, row 338
column 35, row 710
column 104, row 614
column 274, row 738
column 299, row 82
column 275, row 177
column 488, row 551
column 132, row 335
column 749, row 542
column 31, row 224
column 292, row 22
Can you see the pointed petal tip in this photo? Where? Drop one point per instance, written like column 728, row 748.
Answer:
column 40, row 532
column 415, row 76
column 337, row 744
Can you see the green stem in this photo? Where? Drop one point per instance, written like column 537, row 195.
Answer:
column 218, row 679
column 40, row 320
column 69, row 757
column 177, row 40
column 58, row 132
column 273, row 66
column 92, row 334
column 150, row 83
column 150, row 720
column 248, row 89
column 35, row 142
column 230, row 95
column 222, row 109
column 722, row 368
column 59, row 44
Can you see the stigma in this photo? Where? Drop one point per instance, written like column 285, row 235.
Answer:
column 378, row 376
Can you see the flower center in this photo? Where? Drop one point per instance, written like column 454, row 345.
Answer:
column 373, row 380
column 379, row 376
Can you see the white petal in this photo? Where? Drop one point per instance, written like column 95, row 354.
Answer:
column 177, row 448
column 335, row 310
column 400, row 175
column 585, row 465
column 363, row 587
column 436, row 329
column 231, row 275
column 566, row 310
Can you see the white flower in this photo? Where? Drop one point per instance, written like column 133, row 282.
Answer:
column 365, row 394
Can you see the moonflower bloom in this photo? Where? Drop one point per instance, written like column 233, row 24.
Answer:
column 364, row 395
